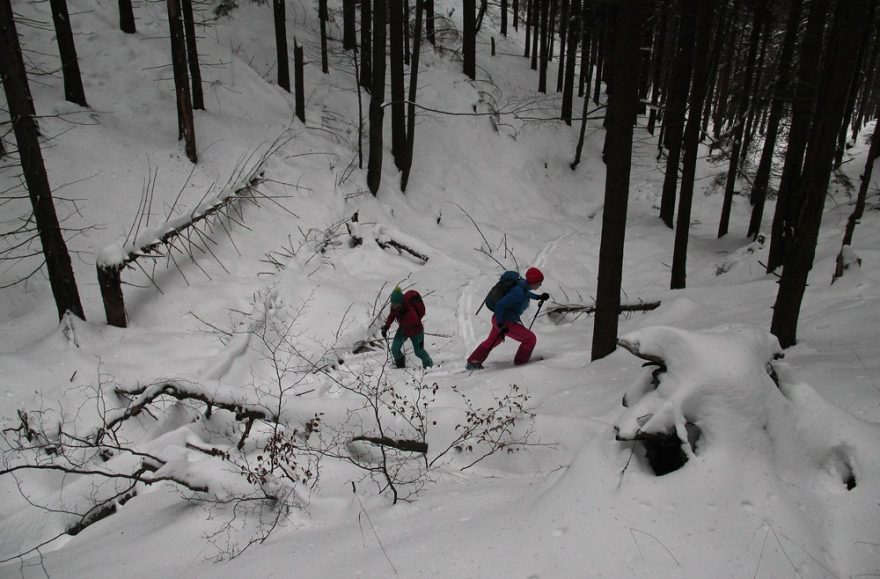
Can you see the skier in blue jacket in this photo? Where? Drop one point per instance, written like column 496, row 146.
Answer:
column 506, row 321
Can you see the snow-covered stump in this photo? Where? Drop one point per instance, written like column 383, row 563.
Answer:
column 702, row 386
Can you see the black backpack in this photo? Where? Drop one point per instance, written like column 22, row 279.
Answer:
column 505, row 283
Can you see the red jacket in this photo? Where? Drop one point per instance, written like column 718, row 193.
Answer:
column 407, row 317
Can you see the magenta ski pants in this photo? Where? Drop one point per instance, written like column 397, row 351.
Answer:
column 518, row 332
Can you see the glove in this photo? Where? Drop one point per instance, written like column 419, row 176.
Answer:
column 384, row 331
column 503, row 328
column 544, row 297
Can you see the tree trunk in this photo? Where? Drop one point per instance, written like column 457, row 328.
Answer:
column 789, row 198
column 867, row 86
column 574, row 35
column 859, row 208
column 856, row 81
column 413, row 86
column 185, row 123
column 537, row 7
column 73, row 87
column 366, row 43
column 528, row 42
column 299, row 82
column 192, row 55
column 429, row 21
column 398, row 82
column 622, row 107
column 544, row 41
column 645, row 67
column 727, row 71
column 691, row 143
column 745, row 94
column 349, row 26
column 405, row 18
column 780, row 93
column 503, row 17
column 377, row 96
column 673, row 118
column 720, row 40
column 126, row 17
column 469, row 33
column 596, row 52
column 757, row 102
column 563, row 41
column 322, row 18
column 838, row 68
column 279, row 12
column 658, row 61
column 18, row 99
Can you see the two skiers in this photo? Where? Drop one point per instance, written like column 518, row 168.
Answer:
column 509, row 299
column 408, row 309
column 515, row 293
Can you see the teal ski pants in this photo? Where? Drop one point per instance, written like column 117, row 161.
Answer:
column 418, row 343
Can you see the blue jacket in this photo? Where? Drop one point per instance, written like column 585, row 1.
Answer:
column 514, row 303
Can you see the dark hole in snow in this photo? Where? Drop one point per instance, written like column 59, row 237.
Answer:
column 844, row 469
column 664, row 452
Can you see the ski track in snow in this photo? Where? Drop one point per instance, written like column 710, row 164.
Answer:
column 541, row 258
column 465, row 315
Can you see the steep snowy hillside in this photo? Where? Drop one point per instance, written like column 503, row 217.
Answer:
column 272, row 315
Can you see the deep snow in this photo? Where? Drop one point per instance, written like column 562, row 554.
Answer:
column 764, row 493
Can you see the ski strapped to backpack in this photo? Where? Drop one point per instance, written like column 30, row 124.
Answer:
column 505, row 283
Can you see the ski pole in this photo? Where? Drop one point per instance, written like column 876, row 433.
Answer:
column 540, row 305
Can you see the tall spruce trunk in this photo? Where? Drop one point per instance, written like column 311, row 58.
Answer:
column 780, row 94
column 719, row 41
column 185, row 121
column 429, row 21
column 673, row 118
column 545, row 47
column 322, row 20
column 18, row 99
column 691, row 143
column 349, row 26
column 469, row 38
column 789, row 197
column 727, row 55
column 377, row 96
column 622, row 108
column 839, row 64
column 398, row 82
column 73, row 86
column 745, row 95
column 859, row 208
column 645, row 67
column 537, row 6
column 366, row 44
column 413, row 87
column 757, row 105
column 279, row 14
column 126, row 17
column 658, row 60
column 574, row 35
column 192, row 55
column 858, row 77
column 563, row 45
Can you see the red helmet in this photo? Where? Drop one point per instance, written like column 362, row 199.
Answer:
column 534, row 276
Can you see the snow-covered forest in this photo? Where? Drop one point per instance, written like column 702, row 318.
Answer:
column 206, row 206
